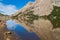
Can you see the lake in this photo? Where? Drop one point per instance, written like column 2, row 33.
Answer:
column 21, row 31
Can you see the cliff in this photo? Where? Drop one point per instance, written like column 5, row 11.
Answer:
column 30, row 18
column 41, row 17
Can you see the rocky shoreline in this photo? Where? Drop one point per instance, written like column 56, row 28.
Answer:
column 5, row 34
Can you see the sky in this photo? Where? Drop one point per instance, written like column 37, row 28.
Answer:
column 9, row 7
column 11, row 25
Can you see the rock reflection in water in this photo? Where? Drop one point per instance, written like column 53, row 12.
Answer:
column 22, row 32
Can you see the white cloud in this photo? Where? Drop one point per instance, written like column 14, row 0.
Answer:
column 7, row 9
column 11, row 25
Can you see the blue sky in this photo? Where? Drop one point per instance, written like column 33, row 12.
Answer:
column 11, row 6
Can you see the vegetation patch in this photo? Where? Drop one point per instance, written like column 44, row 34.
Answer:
column 31, row 17
column 54, row 17
column 27, row 17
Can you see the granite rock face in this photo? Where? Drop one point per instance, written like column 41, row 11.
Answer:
column 56, row 33
column 31, row 19
column 41, row 26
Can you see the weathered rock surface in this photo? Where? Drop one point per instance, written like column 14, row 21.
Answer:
column 56, row 33
column 5, row 34
column 43, row 28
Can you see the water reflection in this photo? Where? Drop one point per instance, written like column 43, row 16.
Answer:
column 22, row 32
